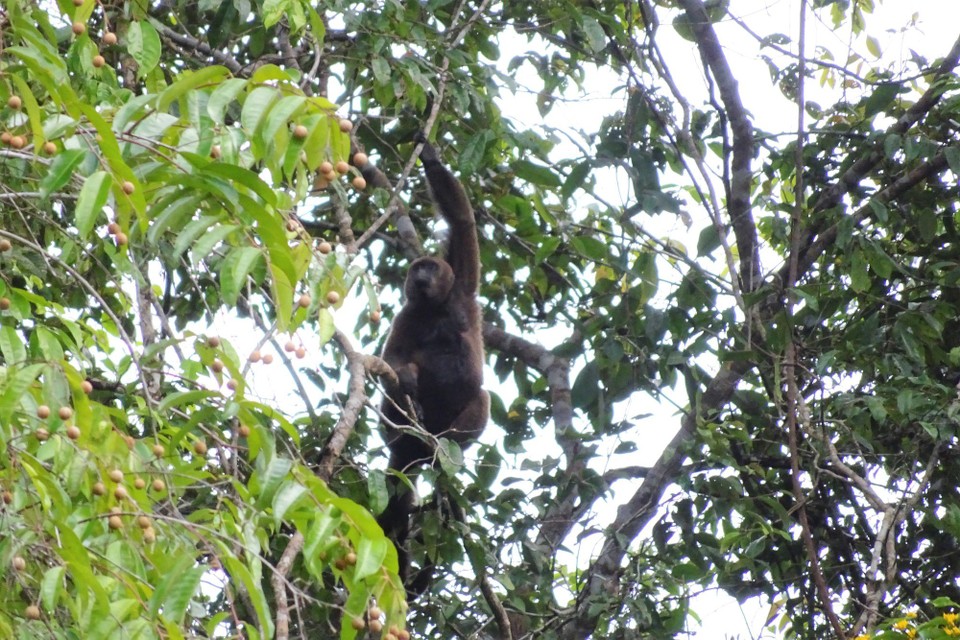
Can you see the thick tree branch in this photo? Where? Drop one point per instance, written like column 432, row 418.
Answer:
column 794, row 398
column 854, row 175
column 603, row 576
column 742, row 145
column 561, row 516
column 198, row 46
column 358, row 364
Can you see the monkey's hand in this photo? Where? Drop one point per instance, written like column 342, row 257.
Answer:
column 428, row 155
column 414, row 409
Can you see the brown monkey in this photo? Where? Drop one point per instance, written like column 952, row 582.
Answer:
column 436, row 349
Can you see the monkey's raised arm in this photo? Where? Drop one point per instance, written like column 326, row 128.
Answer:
column 463, row 252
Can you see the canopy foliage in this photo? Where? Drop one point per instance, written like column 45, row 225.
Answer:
column 786, row 301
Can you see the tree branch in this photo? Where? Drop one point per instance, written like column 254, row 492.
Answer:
column 603, row 576
column 742, row 147
column 195, row 44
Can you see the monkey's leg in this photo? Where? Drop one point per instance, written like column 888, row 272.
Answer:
column 468, row 426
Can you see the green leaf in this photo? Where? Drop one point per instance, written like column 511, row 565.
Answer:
column 586, row 389
column 881, row 98
column 381, row 70
column 370, row 555
column 192, row 231
column 172, row 213
column 203, row 247
column 274, row 235
column 325, row 326
column 859, row 276
column 61, row 170
column 51, row 586
column 927, row 223
column 891, row 145
column 76, row 557
column 280, row 115
column 176, row 588
column 489, row 467
column 953, row 159
column 471, row 156
column 238, row 571
column 282, row 290
column 450, row 456
column 234, row 271
column 591, row 248
column 222, row 96
column 575, row 179
column 11, row 346
column 271, row 478
column 15, row 388
column 143, row 45
column 242, row 179
column 596, row 38
column 255, row 106
column 184, row 399
column 321, row 535
column 708, row 241
column 273, row 10
column 285, row 498
column 190, row 80
column 90, row 202
column 548, row 247
column 535, row 174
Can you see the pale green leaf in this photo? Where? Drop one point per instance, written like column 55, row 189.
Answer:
column 11, row 345
column 143, row 44
column 188, row 81
column 15, row 388
column 280, row 115
column 235, row 270
column 222, row 96
column 271, row 478
column 285, row 498
column 370, row 555
column 50, row 587
column 255, row 106
column 61, row 170
column 272, row 11
column 205, row 244
column 325, row 326
column 90, row 202
column 192, row 231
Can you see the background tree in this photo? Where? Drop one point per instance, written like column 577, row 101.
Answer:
column 169, row 225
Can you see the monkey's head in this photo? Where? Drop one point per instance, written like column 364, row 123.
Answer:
column 429, row 281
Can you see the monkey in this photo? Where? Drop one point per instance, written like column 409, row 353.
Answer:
column 435, row 347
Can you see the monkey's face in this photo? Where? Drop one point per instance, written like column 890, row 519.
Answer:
column 429, row 280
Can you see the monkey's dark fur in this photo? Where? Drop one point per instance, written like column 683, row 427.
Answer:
column 436, row 349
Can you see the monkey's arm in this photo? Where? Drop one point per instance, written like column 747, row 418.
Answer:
column 463, row 253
